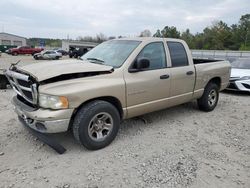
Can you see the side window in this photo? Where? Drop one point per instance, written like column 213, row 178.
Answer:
column 155, row 52
column 178, row 54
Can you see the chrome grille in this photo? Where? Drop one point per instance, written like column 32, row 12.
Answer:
column 22, row 86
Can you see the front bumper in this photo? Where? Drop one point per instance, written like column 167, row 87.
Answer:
column 47, row 139
column 43, row 120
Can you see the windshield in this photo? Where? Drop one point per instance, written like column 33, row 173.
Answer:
column 241, row 64
column 113, row 53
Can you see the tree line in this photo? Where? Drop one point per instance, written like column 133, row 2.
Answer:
column 218, row 36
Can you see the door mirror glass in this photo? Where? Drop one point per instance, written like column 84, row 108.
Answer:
column 140, row 64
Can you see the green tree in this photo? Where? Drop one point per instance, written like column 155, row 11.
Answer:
column 244, row 31
column 158, row 33
column 217, row 37
column 168, row 32
column 189, row 38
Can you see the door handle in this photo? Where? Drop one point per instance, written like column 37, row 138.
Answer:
column 165, row 76
column 190, row 73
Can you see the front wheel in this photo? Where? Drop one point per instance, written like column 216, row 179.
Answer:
column 210, row 98
column 96, row 124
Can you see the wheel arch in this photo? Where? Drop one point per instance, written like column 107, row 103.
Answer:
column 216, row 80
column 113, row 100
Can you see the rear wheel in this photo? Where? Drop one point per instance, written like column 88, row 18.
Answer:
column 57, row 57
column 210, row 97
column 96, row 124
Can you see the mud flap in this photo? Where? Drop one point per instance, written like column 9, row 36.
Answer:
column 45, row 138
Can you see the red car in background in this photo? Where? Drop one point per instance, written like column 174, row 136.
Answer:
column 25, row 50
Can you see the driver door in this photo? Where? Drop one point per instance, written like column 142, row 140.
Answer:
column 149, row 89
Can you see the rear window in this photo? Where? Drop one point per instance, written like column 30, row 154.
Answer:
column 178, row 54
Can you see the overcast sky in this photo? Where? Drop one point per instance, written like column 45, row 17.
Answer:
column 59, row 18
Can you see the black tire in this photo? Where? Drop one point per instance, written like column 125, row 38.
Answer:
column 3, row 82
column 57, row 57
column 82, row 124
column 210, row 97
column 35, row 57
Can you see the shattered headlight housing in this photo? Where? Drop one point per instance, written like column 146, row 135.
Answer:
column 53, row 102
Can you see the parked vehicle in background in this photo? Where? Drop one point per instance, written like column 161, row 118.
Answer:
column 77, row 52
column 25, row 50
column 116, row 80
column 0, row 53
column 240, row 75
column 63, row 52
column 47, row 54
column 5, row 48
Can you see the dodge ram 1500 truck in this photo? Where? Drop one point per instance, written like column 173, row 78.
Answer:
column 118, row 79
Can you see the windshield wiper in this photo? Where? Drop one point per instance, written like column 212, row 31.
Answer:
column 95, row 59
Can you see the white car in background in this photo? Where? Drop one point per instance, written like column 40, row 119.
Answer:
column 240, row 75
column 47, row 54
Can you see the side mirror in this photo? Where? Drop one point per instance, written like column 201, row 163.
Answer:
column 140, row 64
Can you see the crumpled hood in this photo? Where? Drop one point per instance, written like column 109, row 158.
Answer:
column 46, row 70
column 240, row 72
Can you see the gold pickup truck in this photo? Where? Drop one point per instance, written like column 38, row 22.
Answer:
column 116, row 80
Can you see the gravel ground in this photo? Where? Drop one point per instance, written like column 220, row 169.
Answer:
column 176, row 147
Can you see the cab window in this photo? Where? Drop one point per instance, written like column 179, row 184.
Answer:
column 155, row 52
column 178, row 54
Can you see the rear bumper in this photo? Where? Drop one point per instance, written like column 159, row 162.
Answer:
column 43, row 120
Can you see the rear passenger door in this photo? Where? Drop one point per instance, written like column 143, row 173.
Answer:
column 182, row 73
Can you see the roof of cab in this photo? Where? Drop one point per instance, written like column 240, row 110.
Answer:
column 149, row 39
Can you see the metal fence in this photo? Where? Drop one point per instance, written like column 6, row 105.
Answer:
column 223, row 54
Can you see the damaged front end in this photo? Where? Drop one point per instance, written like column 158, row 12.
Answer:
column 26, row 107
column 42, row 120
column 24, row 85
